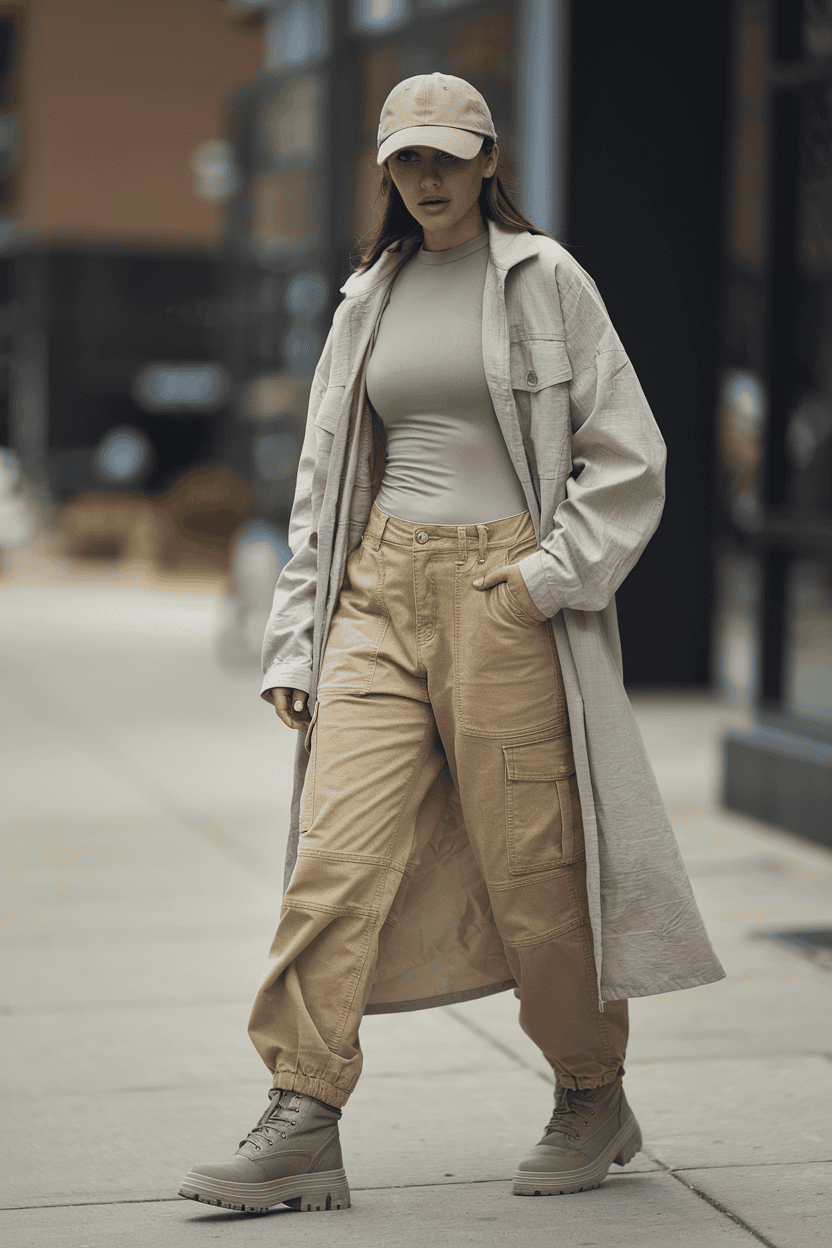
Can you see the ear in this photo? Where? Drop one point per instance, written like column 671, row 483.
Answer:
column 491, row 164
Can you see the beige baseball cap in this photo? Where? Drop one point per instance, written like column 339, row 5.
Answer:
column 434, row 110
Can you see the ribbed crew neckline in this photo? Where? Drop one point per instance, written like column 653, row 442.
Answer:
column 453, row 253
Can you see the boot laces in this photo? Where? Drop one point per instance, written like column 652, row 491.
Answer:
column 281, row 1113
column 573, row 1109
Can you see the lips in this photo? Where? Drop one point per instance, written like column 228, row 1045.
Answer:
column 424, row 202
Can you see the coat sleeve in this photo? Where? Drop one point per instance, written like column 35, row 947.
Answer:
column 615, row 493
column 287, row 644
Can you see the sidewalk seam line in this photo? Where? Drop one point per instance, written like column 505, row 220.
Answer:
column 715, row 1204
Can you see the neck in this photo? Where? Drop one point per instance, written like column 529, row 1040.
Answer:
column 468, row 227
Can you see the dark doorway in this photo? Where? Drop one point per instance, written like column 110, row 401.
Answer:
column 648, row 101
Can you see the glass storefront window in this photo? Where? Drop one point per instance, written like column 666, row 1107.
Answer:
column 808, row 656
column 817, row 27
column 741, row 427
column 283, row 211
column 809, row 426
column 297, row 34
column 736, row 629
column 290, row 122
column 747, row 167
column 379, row 14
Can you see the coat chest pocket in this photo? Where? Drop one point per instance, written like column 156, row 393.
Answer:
column 328, row 413
column 537, row 363
column 543, row 815
column 540, row 375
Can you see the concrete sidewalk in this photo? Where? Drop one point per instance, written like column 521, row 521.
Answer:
column 145, row 796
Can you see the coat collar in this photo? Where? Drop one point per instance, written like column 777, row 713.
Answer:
column 506, row 247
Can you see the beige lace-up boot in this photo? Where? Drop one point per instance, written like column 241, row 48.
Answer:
column 292, row 1157
column 590, row 1129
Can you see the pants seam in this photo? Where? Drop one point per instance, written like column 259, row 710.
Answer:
column 531, row 942
column 369, row 860
column 358, row 912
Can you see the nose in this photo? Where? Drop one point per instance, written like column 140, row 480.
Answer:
column 430, row 177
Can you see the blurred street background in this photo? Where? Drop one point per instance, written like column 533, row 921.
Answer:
column 182, row 185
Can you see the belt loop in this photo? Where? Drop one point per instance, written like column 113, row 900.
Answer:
column 375, row 538
column 482, row 534
column 462, row 539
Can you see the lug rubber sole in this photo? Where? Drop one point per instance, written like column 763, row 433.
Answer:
column 622, row 1148
column 308, row 1193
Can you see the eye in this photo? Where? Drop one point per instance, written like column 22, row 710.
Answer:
column 407, row 156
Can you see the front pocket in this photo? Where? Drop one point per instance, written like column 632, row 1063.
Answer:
column 543, row 819
column 307, row 799
column 358, row 626
column 514, row 609
column 307, row 740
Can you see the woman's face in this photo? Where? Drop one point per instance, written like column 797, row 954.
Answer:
column 440, row 190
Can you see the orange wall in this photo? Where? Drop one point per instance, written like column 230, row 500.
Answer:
column 117, row 94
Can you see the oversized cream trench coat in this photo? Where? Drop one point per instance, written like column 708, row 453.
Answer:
column 591, row 462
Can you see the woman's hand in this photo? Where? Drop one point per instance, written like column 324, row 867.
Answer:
column 517, row 588
column 287, row 702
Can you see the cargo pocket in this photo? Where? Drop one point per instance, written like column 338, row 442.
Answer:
column 543, row 821
column 307, row 800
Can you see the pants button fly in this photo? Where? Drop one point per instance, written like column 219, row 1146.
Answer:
column 421, row 537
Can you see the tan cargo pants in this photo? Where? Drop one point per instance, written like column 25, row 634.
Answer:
column 421, row 667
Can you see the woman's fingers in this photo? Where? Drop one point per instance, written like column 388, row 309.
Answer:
column 290, row 705
column 493, row 578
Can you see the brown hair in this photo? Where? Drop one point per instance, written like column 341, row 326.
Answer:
column 400, row 231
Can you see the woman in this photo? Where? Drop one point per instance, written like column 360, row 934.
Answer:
column 480, row 472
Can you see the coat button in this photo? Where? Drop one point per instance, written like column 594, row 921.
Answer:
column 531, row 377
column 421, row 536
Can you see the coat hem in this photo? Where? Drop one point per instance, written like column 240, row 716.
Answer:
column 447, row 998
column 621, row 992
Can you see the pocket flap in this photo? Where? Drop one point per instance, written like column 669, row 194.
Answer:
column 540, row 760
column 330, row 408
column 538, row 362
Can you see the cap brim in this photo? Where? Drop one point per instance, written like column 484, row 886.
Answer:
column 462, row 143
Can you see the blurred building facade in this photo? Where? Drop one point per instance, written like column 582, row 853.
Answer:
column 165, row 293
column 691, row 177
column 773, row 642
column 113, row 168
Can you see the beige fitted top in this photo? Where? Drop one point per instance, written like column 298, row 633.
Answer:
column 447, row 461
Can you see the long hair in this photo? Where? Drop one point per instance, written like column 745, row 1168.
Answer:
column 397, row 230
